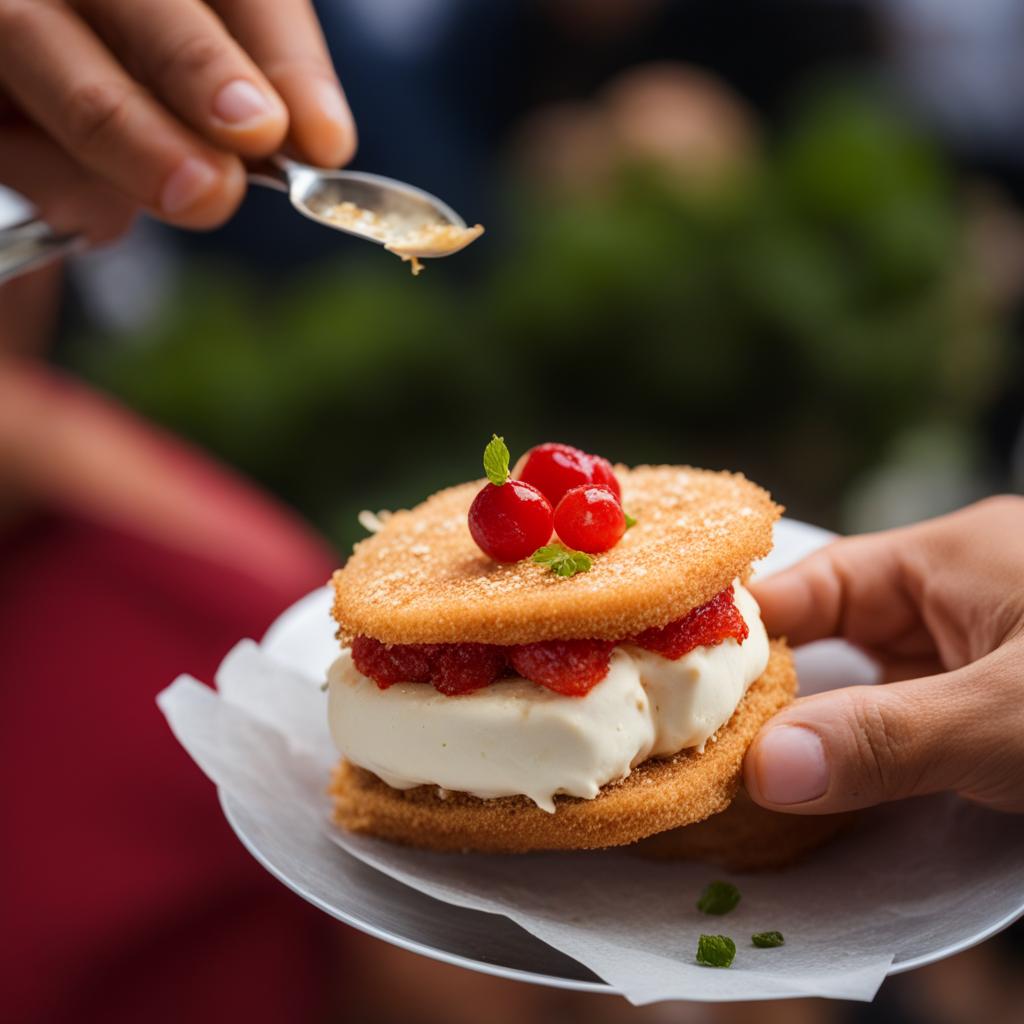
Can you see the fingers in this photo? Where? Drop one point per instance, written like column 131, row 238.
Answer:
column 946, row 587
column 182, row 50
column 284, row 38
column 68, row 197
column 108, row 122
column 864, row 745
column 118, row 130
column 860, row 588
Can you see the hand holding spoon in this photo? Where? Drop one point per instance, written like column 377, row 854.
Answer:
column 407, row 221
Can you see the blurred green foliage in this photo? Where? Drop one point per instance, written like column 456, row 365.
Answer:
column 789, row 322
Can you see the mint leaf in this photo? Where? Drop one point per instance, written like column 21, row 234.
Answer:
column 580, row 561
column 715, row 951
column 767, row 940
column 562, row 561
column 496, row 460
column 718, row 898
column 630, row 521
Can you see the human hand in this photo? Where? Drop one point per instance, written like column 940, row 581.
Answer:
column 941, row 606
column 110, row 105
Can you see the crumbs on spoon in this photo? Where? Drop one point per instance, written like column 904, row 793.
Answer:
column 409, row 242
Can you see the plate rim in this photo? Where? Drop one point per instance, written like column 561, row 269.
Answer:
column 394, row 939
column 533, row 977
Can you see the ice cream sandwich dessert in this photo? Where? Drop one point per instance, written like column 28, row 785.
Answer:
column 561, row 656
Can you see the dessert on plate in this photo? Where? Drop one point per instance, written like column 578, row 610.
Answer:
column 564, row 656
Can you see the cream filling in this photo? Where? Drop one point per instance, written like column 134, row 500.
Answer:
column 514, row 737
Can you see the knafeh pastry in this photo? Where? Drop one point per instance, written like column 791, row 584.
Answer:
column 497, row 692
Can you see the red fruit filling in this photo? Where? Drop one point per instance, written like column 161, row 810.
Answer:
column 570, row 667
column 452, row 668
column 510, row 521
column 705, row 626
column 590, row 518
column 387, row 664
column 463, row 668
column 554, row 468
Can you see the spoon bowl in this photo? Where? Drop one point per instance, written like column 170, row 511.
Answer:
column 389, row 207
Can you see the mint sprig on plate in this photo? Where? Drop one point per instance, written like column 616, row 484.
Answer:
column 715, row 950
column 718, row 898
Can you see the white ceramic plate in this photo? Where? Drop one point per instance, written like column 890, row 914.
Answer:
column 380, row 906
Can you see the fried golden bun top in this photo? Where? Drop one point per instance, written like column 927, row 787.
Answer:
column 422, row 579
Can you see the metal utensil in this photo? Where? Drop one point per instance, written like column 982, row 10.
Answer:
column 313, row 191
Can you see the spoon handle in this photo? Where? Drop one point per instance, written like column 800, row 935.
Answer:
column 272, row 172
column 32, row 244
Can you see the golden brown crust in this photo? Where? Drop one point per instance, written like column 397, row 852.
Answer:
column 657, row 795
column 422, row 579
column 746, row 837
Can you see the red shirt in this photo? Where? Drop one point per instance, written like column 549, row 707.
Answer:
column 125, row 896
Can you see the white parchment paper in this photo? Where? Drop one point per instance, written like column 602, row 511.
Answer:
column 912, row 881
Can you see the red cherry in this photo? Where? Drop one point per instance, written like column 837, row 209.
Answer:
column 554, row 468
column 590, row 518
column 510, row 521
column 604, row 474
column 387, row 664
column 569, row 667
column 462, row 668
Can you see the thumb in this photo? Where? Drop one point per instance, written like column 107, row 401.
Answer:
column 864, row 745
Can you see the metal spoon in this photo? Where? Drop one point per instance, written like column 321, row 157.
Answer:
column 313, row 191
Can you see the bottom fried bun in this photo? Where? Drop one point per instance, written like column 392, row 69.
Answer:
column 659, row 794
column 746, row 837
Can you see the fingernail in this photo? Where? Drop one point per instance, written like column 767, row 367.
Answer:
column 240, row 101
column 332, row 103
column 791, row 765
column 192, row 180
